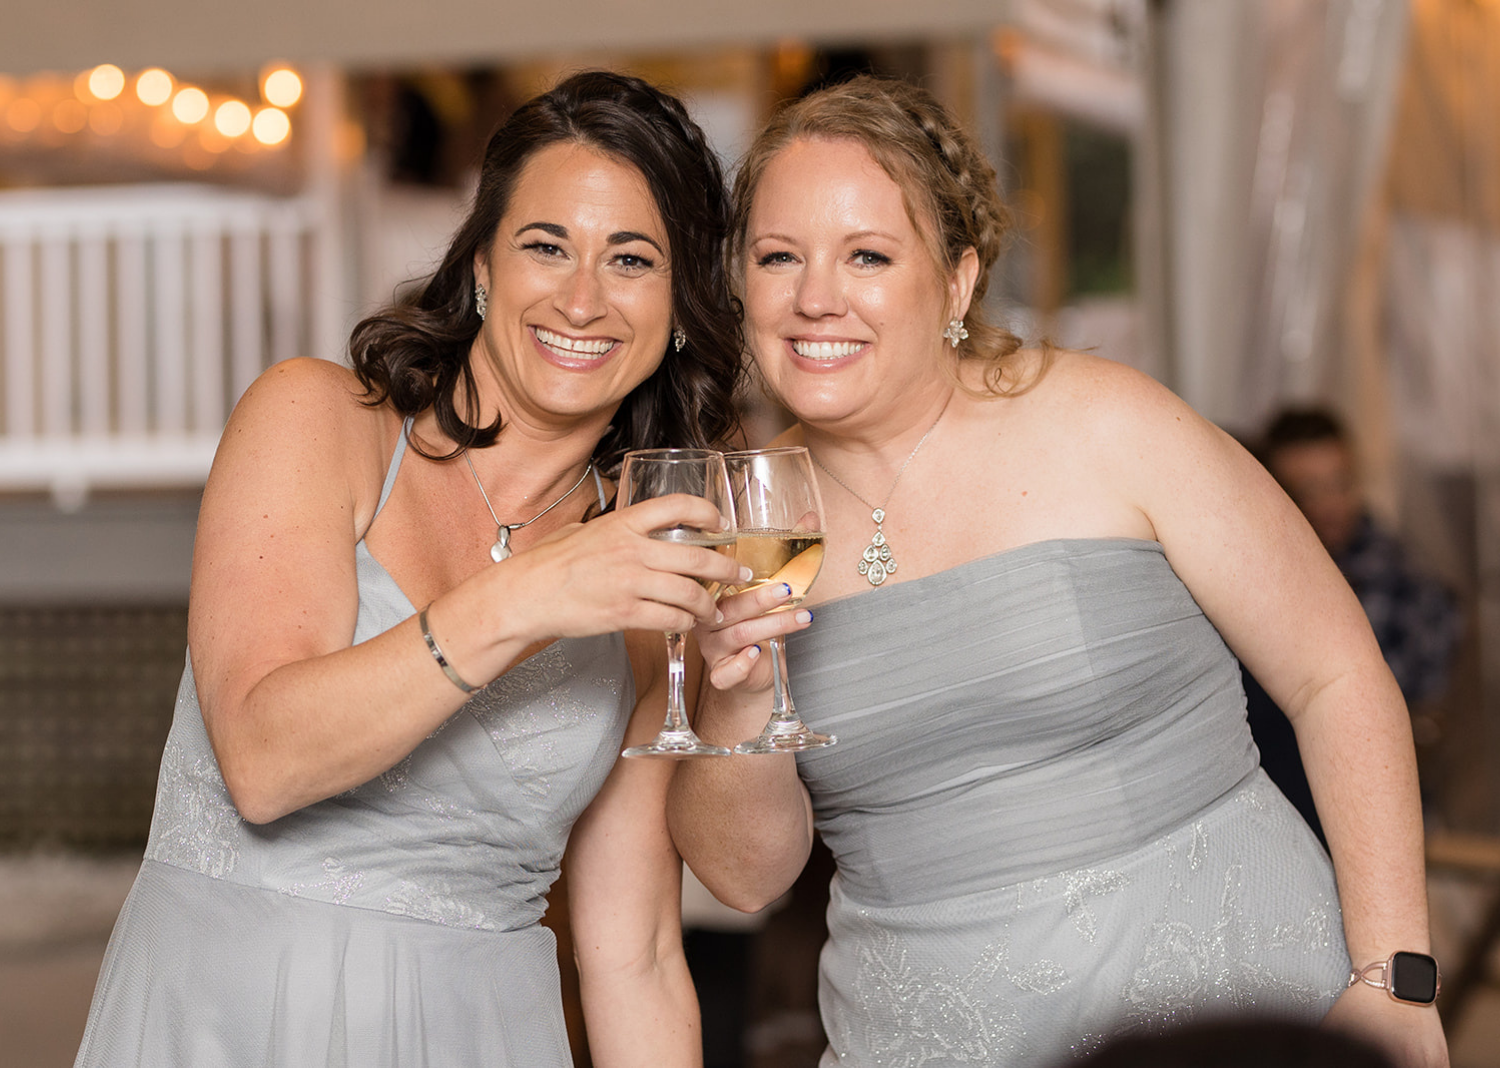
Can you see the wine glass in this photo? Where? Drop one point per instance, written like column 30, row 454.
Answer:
column 780, row 518
column 656, row 473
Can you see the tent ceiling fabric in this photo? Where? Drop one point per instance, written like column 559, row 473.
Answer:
column 190, row 35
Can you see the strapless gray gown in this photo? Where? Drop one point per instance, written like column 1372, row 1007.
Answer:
column 1048, row 817
column 395, row 924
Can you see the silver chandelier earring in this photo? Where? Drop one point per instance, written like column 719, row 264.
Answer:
column 481, row 300
column 679, row 339
column 956, row 332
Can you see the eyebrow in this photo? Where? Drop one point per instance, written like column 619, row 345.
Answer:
column 619, row 237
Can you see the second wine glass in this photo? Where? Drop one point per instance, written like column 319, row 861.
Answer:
column 779, row 513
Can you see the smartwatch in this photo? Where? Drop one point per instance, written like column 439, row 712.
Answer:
column 1409, row 977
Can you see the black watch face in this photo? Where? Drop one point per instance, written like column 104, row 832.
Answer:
column 1414, row 977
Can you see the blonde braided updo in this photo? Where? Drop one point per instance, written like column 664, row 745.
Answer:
column 946, row 183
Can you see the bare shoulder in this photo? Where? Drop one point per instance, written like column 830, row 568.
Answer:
column 304, row 390
column 1127, row 415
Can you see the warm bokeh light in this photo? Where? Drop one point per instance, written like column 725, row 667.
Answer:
column 281, row 87
column 212, row 140
column 69, row 116
column 154, row 87
column 106, row 119
column 7, row 88
column 23, row 115
column 190, row 105
column 271, row 126
column 232, row 118
column 106, row 81
column 167, row 132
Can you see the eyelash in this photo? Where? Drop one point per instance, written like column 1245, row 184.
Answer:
column 773, row 257
column 628, row 260
column 867, row 258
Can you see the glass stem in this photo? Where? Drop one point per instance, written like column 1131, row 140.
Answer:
column 783, row 712
column 676, row 673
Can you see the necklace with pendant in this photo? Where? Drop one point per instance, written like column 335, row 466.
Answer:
column 876, row 562
column 501, row 549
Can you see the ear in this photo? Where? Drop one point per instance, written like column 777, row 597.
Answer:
column 961, row 284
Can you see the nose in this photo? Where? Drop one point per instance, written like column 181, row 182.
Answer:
column 581, row 297
column 819, row 291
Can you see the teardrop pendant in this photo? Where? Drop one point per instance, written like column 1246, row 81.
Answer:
column 501, row 549
column 876, row 561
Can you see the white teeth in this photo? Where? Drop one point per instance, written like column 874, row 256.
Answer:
column 826, row 350
column 574, row 346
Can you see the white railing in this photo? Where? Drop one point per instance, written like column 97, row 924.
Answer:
column 131, row 319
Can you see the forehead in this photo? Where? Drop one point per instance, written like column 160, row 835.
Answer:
column 832, row 181
column 571, row 179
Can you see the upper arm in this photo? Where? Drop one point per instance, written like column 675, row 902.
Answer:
column 273, row 560
column 1241, row 547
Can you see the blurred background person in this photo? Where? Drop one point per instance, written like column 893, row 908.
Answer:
column 1416, row 619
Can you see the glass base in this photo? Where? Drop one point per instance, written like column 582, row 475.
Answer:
column 676, row 747
column 789, row 742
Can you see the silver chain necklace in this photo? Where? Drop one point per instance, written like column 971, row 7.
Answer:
column 876, row 562
column 501, row 549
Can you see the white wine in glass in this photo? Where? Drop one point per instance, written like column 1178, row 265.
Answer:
column 779, row 513
column 648, row 473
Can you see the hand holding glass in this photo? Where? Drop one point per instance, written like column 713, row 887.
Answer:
column 657, row 473
column 779, row 515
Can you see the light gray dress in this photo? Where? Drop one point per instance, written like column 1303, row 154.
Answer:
column 1048, row 816
column 393, row 924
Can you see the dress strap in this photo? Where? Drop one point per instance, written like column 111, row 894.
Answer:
column 395, row 465
column 599, row 489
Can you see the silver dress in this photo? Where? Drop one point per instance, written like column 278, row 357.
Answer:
column 1048, row 817
column 395, row 924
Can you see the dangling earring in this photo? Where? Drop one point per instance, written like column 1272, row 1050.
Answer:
column 679, row 339
column 956, row 332
column 481, row 300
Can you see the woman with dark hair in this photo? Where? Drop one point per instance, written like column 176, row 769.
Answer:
column 1045, row 807
column 411, row 664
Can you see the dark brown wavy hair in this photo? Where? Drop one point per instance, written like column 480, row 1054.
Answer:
column 946, row 182
column 414, row 355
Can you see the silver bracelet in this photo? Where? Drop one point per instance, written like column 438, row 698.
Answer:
column 437, row 654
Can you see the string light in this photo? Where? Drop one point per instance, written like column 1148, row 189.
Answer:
column 271, row 126
column 190, row 105
column 281, row 87
column 154, row 87
column 106, row 81
column 232, row 118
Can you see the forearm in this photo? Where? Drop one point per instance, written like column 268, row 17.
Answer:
column 315, row 726
column 744, row 825
column 642, row 1017
column 1355, row 737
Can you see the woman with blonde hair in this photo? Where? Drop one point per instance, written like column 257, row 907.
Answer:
column 1045, row 807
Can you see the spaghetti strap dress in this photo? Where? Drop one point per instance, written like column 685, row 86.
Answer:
column 1048, row 818
column 394, row 924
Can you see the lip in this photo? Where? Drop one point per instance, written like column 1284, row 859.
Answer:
column 824, row 353
column 570, row 352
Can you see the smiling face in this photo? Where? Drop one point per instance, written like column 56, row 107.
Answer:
column 580, row 288
column 844, row 305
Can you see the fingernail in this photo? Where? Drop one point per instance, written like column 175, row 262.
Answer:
column 786, row 590
column 746, row 574
column 718, row 616
column 753, row 652
column 802, row 615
